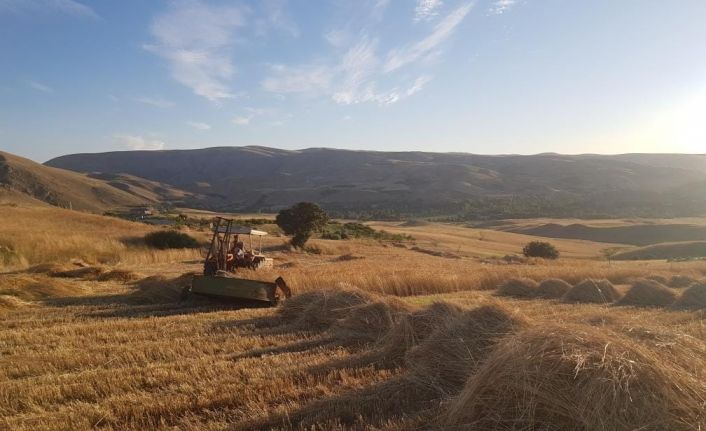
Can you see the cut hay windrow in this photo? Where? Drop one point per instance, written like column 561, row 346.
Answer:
column 592, row 291
column 552, row 288
column 518, row 288
column 577, row 378
column 88, row 272
column 413, row 328
column 678, row 281
column 445, row 359
column 693, row 298
column 159, row 289
column 318, row 310
column 36, row 287
column 368, row 322
column 9, row 302
column 648, row 293
column 658, row 278
column 120, row 275
column 50, row 269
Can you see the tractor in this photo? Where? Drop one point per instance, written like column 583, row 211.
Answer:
column 225, row 256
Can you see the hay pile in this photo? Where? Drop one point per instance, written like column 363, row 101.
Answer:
column 518, row 288
column 552, row 288
column 9, row 302
column 648, row 293
column 50, row 269
column 578, row 378
column 368, row 322
column 592, row 291
column 81, row 270
column 658, row 278
column 681, row 281
column 36, row 287
column 159, row 289
column 693, row 298
column 412, row 329
column 120, row 275
column 87, row 272
column 445, row 359
column 318, row 310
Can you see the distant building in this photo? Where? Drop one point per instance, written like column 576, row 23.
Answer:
column 140, row 212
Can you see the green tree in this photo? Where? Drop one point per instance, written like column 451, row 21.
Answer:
column 300, row 221
column 540, row 249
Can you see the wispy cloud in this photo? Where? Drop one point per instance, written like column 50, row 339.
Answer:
column 239, row 120
column 40, row 87
column 426, row 9
column 337, row 38
column 310, row 78
column 357, row 66
column 379, row 8
column 134, row 142
column 501, row 6
column 154, row 101
column 68, row 7
column 194, row 38
column 199, row 125
column 355, row 72
column 418, row 85
column 276, row 16
column 420, row 50
column 352, row 80
column 250, row 114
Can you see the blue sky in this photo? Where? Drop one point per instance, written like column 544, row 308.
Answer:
column 486, row 76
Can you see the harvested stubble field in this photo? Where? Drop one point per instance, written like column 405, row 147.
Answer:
column 422, row 342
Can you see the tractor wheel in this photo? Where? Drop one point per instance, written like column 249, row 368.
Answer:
column 185, row 293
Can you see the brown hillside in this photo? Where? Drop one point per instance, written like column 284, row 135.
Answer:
column 637, row 233
column 24, row 181
column 674, row 250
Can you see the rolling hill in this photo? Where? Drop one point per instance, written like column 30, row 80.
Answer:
column 26, row 182
column 378, row 183
column 637, row 233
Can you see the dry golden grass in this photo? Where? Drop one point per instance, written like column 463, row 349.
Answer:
column 117, row 350
column 37, row 235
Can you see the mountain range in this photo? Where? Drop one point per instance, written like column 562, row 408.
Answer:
column 369, row 183
column 482, row 186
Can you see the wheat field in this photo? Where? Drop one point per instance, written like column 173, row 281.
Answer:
column 379, row 336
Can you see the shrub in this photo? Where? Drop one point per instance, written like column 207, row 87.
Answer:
column 540, row 249
column 338, row 231
column 170, row 239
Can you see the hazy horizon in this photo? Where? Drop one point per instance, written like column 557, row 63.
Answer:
column 373, row 150
column 484, row 77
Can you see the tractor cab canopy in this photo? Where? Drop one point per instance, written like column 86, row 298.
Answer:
column 240, row 230
column 228, row 251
